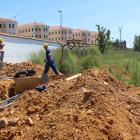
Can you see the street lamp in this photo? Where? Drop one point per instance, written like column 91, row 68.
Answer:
column 14, row 24
column 34, row 28
column 61, row 23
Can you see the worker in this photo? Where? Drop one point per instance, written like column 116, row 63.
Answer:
column 1, row 47
column 26, row 72
column 49, row 61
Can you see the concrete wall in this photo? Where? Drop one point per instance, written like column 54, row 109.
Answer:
column 17, row 50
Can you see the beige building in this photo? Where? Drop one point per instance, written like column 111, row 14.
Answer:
column 35, row 30
column 94, row 36
column 8, row 26
column 83, row 35
column 55, row 34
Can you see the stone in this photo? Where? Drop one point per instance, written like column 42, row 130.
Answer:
column 3, row 122
column 13, row 121
column 29, row 121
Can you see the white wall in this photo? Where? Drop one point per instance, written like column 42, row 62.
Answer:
column 17, row 50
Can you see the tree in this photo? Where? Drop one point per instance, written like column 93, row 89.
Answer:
column 103, row 39
column 136, row 43
column 116, row 43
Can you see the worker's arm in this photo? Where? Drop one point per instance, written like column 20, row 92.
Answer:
column 49, row 54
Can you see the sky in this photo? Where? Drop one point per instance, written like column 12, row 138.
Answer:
column 79, row 14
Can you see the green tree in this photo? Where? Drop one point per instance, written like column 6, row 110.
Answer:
column 136, row 43
column 103, row 39
column 116, row 43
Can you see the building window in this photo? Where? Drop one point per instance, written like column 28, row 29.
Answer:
column 36, row 36
column 65, row 32
column 49, row 38
column 62, row 38
column 4, row 26
column 46, row 36
column 59, row 38
column 29, row 35
column 29, row 30
column 43, row 29
column 39, row 29
column 25, row 30
column 59, row 32
column 56, row 38
column 49, row 33
column 12, row 25
column 79, row 34
column 62, row 32
column 76, row 34
column 36, row 29
column 39, row 36
column 9, row 32
column 88, row 39
column 56, row 32
column 46, row 29
column 0, row 25
column 9, row 25
column 52, row 39
column 32, row 35
column 52, row 33
column 32, row 29
column 19, row 31
column 22, row 31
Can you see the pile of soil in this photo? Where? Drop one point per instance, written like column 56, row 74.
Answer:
column 93, row 106
column 7, row 88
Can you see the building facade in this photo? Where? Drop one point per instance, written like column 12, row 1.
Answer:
column 94, row 36
column 55, row 34
column 83, row 35
column 8, row 26
column 35, row 30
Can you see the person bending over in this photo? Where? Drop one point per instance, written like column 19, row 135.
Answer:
column 26, row 72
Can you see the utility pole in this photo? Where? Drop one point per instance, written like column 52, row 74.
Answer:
column 14, row 25
column 61, row 23
column 120, row 28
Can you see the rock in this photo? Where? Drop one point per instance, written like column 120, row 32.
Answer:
column 89, row 112
column 31, row 110
column 29, row 121
column 81, row 90
column 3, row 122
column 13, row 122
column 2, row 108
column 87, row 94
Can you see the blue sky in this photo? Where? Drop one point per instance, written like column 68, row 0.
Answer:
column 79, row 14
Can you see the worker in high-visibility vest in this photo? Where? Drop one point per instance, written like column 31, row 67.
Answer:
column 2, row 52
column 49, row 61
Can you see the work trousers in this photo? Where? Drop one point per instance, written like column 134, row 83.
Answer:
column 1, row 59
column 50, row 63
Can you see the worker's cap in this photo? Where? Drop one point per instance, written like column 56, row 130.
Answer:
column 45, row 44
column 1, row 40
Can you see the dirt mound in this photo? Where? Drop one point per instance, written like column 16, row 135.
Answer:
column 93, row 106
column 7, row 88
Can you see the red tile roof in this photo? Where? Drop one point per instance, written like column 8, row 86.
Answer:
column 58, row 27
column 79, row 30
column 93, row 32
column 30, row 24
column 2, row 19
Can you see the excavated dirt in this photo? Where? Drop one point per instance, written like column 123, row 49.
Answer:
column 7, row 88
column 94, row 106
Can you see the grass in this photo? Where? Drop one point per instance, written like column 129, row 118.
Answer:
column 124, row 65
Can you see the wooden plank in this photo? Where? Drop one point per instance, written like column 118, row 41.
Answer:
column 72, row 77
column 28, row 83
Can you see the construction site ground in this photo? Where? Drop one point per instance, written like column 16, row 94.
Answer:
column 93, row 106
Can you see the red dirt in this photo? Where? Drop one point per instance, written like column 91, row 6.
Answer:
column 106, row 110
